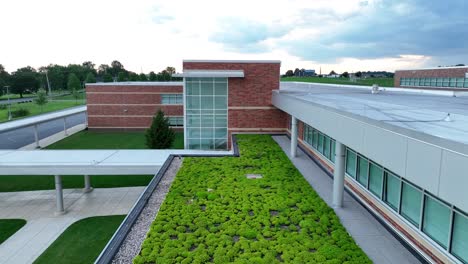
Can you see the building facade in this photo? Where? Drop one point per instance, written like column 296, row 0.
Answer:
column 446, row 78
column 396, row 152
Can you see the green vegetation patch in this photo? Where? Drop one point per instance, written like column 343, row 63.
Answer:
column 213, row 213
column 19, row 183
column 83, row 241
column 109, row 140
column 10, row 226
column 35, row 109
column 382, row 82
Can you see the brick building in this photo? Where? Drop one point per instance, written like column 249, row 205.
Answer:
column 447, row 78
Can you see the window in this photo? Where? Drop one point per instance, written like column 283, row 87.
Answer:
column 392, row 190
column 176, row 121
column 351, row 163
column 466, row 83
column 435, row 82
column 315, row 139
column 206, row 113
column 333, row 146
column 436, row 220
column 460, row 82
column 427, row 82
column 363, row 169
column 326, row 147
column 172, row 99
column 320, row 143
column 411, row 203
column 453, row 82
column 446, row 82
column 460, row 237
column 375, row 179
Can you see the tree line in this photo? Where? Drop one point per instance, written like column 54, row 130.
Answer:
column 58, row 77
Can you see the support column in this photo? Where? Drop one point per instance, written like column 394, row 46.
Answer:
column 293, row 136
column 339, row 175
column 87, row 184
column 65, row 126
column 59, row 195
column 36, row 136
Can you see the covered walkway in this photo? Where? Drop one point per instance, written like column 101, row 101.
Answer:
column 381, row 246
column 89, row 162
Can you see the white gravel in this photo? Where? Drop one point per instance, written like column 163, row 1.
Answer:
column 131, row 246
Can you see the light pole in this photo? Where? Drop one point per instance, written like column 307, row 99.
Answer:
column 9, row 103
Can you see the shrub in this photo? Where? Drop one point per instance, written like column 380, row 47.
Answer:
column 19, row 113
column 159, row 135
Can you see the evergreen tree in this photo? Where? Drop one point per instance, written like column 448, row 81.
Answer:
column 153, row 77
column 41, row 98
column 159, row 135
column 90, row 78
column 143, row 77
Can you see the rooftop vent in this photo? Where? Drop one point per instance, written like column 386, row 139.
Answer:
column 254, row 176
column 375, row 89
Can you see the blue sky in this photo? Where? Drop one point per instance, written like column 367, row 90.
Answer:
column 340, row 35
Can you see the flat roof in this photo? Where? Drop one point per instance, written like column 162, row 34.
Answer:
column 436, row 68
column 90, row 162
column 236, row 61
column 420, row 115
column 212, row 73
column 136, row 84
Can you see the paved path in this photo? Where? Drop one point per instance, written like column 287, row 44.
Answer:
column 43, row 227
column 17, row 100
column 24, row 136
column 368, row 233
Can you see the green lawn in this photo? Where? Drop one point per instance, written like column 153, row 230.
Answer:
column 88, row 140
column 109, row 140
column 383, row 82
column 34, row 109
column 15, row 96
column 9, row 226
column 82, row 242
column 213, row 213
column 81, row 96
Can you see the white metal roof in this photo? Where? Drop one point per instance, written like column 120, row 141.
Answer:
column 408, row 112
column 136, row 84
column 212, row 73
column 91, row 162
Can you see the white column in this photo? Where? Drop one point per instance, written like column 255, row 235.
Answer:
column 59, row 195
column 36, row 136
column 293, row 136
column 65, row 126
column 338, row 175
column 86, row 119
column 87, row 184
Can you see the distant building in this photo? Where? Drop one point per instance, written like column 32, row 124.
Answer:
column 376, row 74
column 447, row 78
column 305, row 73
column 332, row 76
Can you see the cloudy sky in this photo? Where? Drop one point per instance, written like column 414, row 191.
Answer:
column 340, row 35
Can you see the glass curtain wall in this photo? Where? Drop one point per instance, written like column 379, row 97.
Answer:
column 206, row 113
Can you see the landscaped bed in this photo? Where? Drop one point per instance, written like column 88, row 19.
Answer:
column 10, row 226
column 83, row 241
column 214, row 213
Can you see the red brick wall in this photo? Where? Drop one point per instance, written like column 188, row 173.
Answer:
column 128, row 106
column 430, row 73
column 249, row 102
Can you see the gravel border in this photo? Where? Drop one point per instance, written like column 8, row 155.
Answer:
column 131, row 246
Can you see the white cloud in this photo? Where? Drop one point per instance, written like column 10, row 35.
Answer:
column 151, row 35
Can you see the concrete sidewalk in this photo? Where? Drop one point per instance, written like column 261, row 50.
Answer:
column 43, row 227
column 381, row 246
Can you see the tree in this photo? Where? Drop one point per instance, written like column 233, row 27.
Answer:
column 153, row 77
column 116, row 67
column 289, row 73
column 103, row 69
column 41, row 98
column 170, row 70
column 90, row 78
column 74, row 85
column 133, row 77
column 345, row 74
column 159, row 135
column 143, row 77
column 23, row 82
column 358, row 74
column 296, row 72
column 332, row 73
column 107, row 78
column 121, row 77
